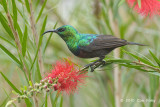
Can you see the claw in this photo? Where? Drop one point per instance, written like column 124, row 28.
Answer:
column 92, row 69
column 95, row 64
column 103, row 62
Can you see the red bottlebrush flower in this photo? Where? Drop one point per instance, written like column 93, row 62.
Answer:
column 66, row 76
column 148, row 7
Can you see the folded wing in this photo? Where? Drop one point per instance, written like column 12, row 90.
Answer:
column 101, row 42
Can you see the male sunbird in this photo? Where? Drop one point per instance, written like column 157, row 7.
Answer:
column 89, row 45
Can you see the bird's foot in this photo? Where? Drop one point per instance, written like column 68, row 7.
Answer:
column 103, row 62
column 89, row 65
column 95, row 65
column 92, row 68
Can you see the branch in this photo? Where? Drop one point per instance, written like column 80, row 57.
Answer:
column 17, row 41
column 156, row 96
column 148, row 66
column 33, row 27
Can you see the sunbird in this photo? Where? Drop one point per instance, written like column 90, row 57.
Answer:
column 89, row 45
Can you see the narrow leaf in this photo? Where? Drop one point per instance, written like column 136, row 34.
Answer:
column 24, row 44
column 7, row 41
column 46, row 101
column 138, row 58
column 155, row 58
column 40, row 41
column 61, row 103
column 20, row 34
column 27, row 6
column 4, row 4
column 40, row 13
column 9, row 82
column 44, row 25
column 11, row 55
column 38, row 1
column 121, row 2
column 5, row 25
column 49, row 38
column 38, row 72
column 14, row 13
column 39, row 44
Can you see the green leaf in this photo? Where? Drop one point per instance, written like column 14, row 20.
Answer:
column 131, row 66
column 40, row 41
column 24, row 44
column 5, row 25
column 4, row 4
column 61, row 103
column 54, row 99
column 27, row 6
column 11, row 55
column 121, row 2
column 9, row 82
column 155, row 73
column 38, row 1
column 49, row 38
column 20, row 34
column 107, row 22
column 119, row 60
column 20, row 1
column 44, row 25
column 38, row 72
column 7, row 41
column 14, row 13
column 46, row 100
column 139, row 3
column 40, row 13
column 135, row 67
column 30, row 83
column 28, row 103
column 138, row 58
column 39, row 44
column 155, row 58
column 23, row 16
column 5, row 100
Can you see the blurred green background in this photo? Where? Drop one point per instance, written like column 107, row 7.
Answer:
column 87, row 16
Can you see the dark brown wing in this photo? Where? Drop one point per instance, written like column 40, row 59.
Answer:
column 104, row 42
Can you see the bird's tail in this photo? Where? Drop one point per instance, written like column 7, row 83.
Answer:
column 133, row 43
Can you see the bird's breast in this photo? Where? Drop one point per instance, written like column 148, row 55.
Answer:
column 73, row 47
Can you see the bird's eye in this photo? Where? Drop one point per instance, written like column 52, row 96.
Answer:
column 61, row 29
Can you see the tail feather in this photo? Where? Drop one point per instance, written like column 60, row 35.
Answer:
column 133, row 43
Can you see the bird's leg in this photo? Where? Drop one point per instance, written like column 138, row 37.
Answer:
column 93, row 63
column 99, row 64
column 103, row 62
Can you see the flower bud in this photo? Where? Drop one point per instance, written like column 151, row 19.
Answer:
column 55, row 87
column 19, row 99
column 47, row 90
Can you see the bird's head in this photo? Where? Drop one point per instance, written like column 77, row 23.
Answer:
column 65, row 31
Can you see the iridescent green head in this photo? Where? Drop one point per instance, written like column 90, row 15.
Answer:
column 64, row 32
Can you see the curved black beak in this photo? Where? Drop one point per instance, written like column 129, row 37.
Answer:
column 54, row 30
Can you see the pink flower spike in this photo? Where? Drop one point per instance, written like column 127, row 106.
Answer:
column 67, row 76
column 148, row 7
column 55, row 87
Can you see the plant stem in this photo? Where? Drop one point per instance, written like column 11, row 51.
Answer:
column 16, row 37
column 117, row 71
column 156, row 96
column 148, row 66
column 117, row 80
column 33, row 27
